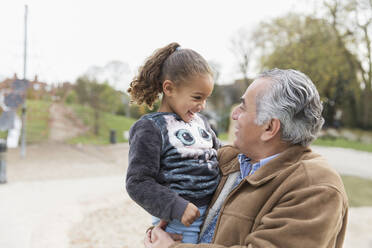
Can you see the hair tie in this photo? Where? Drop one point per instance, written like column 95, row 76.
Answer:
column 178, row 48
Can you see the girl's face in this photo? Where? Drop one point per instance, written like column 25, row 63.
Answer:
column 188, row 97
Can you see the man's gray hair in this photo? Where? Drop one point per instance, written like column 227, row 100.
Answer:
column 294, row 100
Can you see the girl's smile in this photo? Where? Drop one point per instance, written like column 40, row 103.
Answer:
column 187, row 98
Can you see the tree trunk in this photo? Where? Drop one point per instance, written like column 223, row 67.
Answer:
column 96, row 121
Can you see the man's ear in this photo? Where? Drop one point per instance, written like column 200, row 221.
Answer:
column 168, row 87
column 271, row 129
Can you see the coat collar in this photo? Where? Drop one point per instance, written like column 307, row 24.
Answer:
column 229, row 163
column 277, row 165
column 228, row 159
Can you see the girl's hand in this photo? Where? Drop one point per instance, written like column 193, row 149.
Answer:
column 190, row 215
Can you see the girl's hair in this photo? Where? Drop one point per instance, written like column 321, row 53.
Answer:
column 167, row 63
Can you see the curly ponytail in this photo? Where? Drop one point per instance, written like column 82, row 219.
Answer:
column 147, row 85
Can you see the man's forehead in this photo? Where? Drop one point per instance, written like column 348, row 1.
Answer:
column 244, row 97
column 255, row 87
column 260, row 83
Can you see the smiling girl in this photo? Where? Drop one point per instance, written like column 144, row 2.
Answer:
column 173, row 169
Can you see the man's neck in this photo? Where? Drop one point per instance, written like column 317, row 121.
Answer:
column 268, row 150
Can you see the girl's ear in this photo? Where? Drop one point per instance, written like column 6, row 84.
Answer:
column 168, row 87
column 271, row 129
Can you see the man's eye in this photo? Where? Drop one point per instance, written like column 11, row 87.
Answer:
column 197, row 97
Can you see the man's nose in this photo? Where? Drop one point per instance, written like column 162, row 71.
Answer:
column 235, row 114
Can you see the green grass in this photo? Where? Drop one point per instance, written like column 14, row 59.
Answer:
column 359, row 191
column 83, row 112
column 108, row 122
column 3, row 134
column 339, row 142
column 223, row 136
column 330, row 142
column 37, row 125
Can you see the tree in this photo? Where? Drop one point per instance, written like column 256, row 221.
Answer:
column 242, row 45
column 352, row 23
column 309, row 45
column 215, row 102
column 101, row 97
column 116, row 73
column 216, row 69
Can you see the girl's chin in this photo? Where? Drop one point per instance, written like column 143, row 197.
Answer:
column 189, row 116
column 186, row 118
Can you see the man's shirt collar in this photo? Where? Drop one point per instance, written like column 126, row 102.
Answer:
column 246, row 167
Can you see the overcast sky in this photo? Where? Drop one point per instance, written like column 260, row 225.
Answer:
column 67, row 37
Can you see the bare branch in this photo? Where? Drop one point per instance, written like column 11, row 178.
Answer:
column 242, row 47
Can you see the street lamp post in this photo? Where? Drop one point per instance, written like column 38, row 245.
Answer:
column 2, row 161
column 24, row 109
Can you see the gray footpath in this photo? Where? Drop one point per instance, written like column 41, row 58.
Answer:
column 65, row 196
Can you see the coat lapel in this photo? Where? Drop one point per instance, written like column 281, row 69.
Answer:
column 277, row 165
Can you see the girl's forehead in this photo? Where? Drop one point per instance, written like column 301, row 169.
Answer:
column 201, row 83
column 200, row 79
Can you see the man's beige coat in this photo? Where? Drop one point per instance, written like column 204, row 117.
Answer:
column 296, row 200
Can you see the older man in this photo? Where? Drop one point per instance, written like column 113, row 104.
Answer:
column 274, row 192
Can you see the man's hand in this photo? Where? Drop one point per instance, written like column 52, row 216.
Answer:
column 190, row 215
column 163, row 224
column 158, row 238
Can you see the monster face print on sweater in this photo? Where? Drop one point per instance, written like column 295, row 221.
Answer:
column 191, row 140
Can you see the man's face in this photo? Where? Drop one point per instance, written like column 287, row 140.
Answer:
column 247, row 132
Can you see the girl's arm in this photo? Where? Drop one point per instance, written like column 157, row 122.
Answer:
column 144, row 165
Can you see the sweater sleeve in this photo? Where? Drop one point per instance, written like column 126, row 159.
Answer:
column 145, row 142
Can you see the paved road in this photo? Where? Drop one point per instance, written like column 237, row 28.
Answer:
column 348, row 161
column 39, row 214
column 68, row 196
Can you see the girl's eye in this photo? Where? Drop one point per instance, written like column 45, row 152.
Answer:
column 204, row 134
column 185, row 137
